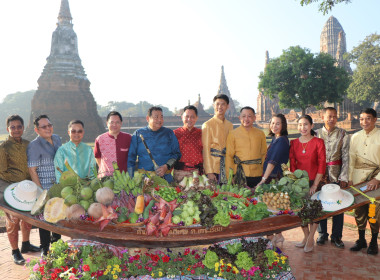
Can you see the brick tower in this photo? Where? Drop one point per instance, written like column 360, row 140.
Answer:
column 63, row 88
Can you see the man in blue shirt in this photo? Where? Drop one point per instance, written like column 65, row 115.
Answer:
column 78, row 154
column 41, row 152
column 162, row 143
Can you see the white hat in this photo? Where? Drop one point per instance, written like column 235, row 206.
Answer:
column 22, row 195
column 333, row 198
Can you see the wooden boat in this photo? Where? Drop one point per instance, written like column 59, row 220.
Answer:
column 178, row 236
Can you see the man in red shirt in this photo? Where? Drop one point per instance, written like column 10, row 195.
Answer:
column 190, row 144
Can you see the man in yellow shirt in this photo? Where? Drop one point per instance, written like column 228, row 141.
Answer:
column 14, row 168
column 364, row 165
column 246, row 150
column 214, row 135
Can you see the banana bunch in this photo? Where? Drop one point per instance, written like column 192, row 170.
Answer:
column 122, row 181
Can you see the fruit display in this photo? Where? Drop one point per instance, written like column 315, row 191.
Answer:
column 279, row 200
column 149, row 201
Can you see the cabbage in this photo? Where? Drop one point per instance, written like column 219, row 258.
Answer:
column 176, row 219
column 189, row 221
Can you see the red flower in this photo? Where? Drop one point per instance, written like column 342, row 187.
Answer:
column 246, row 204
column 165, row 258
column 197, row 256
column 86, row 267
column 93, row 274
column 157, row 188
column 192, row 271
column 136, row 257
column 54, row 276
column 155, row 258
column 237, row 196
column 187, row 251
column 74, row 270
column 178, row 190
column 254, row 202
column 286, row 212
column 270, row 267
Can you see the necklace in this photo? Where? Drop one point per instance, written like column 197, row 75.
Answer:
column 304, row 147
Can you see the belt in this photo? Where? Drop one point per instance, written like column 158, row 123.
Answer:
column 188, row 167
column 240, row 177
column 335, row 162
column 221, row 154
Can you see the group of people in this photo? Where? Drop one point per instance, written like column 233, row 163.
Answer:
column 328, row 155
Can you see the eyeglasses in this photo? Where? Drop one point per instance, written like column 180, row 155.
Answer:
column 50, row 125
column 16, row 127
column 73, row 131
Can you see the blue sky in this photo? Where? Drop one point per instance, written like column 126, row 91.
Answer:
column 168, row 51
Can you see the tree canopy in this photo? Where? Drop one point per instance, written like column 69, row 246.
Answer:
column 301, row 79
column 325, row 5
column 365, row 84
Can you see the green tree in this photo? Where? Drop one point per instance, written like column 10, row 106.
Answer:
column 325, row 5
column 301, row 79
column 365, row 84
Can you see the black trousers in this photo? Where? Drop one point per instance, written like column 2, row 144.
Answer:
column 46, row 239
column 337, row 227
column 253, row 181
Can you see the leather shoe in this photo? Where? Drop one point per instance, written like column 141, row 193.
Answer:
column 44, row 252
column 373, row 249
column 359, row 244
column 18, row 258
column 337, row 242
column 321, row 239
column 29, row 248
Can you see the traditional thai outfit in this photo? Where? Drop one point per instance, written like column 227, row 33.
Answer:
column 190, row 145
column 109, row 149
column 337, row 143
column 80, row 158
column 41, row 155
column 245, row 154
column 278, row 153
column 214, row 138
column 14, row 168
column 163, row 145
column 365, row 165
column 310, row 156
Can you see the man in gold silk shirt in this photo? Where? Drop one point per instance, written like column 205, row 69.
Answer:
column 337, row 143
column 246, row 150
column 14, row 168
column 214, row 136
column 365, row 166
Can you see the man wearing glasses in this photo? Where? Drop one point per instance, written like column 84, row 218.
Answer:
column 79, row 155
column 41, row 152
column 14, row 168
column 112, row 146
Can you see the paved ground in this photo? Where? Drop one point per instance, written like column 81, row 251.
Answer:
column 325, row 262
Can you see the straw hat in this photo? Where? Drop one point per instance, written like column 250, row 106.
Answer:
column 333, row 198
column 22, row 195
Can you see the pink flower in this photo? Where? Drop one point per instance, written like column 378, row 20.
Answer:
column 36, row 267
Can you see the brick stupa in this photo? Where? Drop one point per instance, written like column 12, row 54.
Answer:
column 63, row 88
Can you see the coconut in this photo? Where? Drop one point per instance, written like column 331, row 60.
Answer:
column 55, row 210
column 86, row 193
column 71, row 200
column 75, row 211
column 66, row 191
column 108, row 182
column 95, row 184
column 105, row 196
column 95, row 210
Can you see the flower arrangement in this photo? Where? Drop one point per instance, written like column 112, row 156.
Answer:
column 237, row 259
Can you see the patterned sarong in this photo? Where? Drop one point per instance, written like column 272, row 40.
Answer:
column 240, row 177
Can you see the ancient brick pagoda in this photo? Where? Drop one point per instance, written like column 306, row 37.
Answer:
column 63, row 88
column 333, row 42
column 223, row 89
